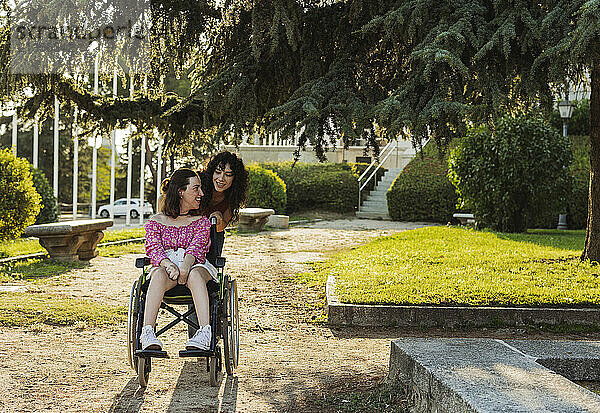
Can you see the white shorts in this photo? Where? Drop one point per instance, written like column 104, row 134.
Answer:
column 177, row 256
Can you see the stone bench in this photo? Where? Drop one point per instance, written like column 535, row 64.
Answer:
column 70, row 240
column 254, row 219
column 465, row 219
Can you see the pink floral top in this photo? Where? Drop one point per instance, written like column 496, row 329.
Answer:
column 194, row 238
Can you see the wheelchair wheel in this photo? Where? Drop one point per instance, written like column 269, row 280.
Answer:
column 143, row 370
column 231, row 321
column 214, row 367
column 132, row 315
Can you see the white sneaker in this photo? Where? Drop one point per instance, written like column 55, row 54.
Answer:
column 201, row 340
column 148, row 339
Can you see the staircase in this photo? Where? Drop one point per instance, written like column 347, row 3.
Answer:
column 375, row 205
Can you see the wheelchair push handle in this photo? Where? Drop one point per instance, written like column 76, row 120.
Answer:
column 213, row 220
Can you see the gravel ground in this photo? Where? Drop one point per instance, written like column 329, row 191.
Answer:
column 287, row 360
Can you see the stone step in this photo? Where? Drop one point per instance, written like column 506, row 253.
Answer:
column 377, row 211
column 372, row 215
column 374, row 204
column 379, row 199
column 491, row 375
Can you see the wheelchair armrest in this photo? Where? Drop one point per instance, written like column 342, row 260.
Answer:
column 220, row 262
column 142, row 262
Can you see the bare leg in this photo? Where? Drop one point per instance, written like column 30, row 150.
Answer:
column 159, row 283
column 197, row 284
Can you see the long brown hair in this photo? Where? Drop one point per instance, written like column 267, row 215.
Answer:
column 169, row 189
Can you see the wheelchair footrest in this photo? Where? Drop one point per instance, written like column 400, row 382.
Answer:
column 152, row 353
column 196, row 353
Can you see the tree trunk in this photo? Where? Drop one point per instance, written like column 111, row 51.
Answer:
column 592, row 238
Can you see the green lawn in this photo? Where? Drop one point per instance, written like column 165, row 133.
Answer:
column 20, row 309
column 456, row 266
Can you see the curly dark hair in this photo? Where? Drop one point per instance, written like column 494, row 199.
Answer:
column 169, row 189
column 238, row 191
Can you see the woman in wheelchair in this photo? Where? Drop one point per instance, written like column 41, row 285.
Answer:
column 225, row 186
column 177, row 241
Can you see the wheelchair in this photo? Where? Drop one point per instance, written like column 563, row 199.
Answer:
column 223, row 312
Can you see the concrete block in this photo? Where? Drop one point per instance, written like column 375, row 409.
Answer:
column 340, row 314
column 279, row 221
column 481, row 375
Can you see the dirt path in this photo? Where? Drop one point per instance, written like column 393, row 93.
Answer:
column 285, row 358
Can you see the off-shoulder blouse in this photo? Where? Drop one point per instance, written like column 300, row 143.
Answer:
column 194, row 238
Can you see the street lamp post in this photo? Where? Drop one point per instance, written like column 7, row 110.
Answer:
column 565, row 108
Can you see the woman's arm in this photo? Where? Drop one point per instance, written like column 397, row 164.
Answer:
column 154, row 247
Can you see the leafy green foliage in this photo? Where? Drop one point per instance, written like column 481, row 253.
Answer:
column 422, row 191
column 265, row 189
column 507, row 173
column 454, row 266
column 19, row 203
column 49, row 212
column 331, row 187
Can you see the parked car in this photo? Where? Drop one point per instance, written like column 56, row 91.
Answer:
column 120, row 208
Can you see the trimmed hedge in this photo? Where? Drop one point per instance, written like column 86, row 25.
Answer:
column 326, row 186
column 265, row 189
column 49, row 212
column 511, row 173
column 19, row 203
column 422, row 192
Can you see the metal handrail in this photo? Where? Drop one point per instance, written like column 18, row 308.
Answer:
column 391, row 146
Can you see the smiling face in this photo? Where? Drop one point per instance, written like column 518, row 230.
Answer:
column 191, row 195
column 222, row 178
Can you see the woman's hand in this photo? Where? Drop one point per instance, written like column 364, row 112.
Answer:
column 183, row 275
column 184, row 271
column 222, row 219
column 219, row 216
column 171, row 269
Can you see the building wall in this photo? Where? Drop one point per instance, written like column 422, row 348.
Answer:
column 278, row 153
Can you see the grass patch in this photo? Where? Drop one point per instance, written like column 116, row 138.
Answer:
column 22, row 309
column 36, row 268
column 360, row 397
column 17, row 247
column 122, row 249
column 458, row 266
column 121, row 234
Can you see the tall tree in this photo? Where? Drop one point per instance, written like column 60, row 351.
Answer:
column 372, row 69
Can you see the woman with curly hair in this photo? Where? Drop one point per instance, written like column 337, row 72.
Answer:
column 225, row 187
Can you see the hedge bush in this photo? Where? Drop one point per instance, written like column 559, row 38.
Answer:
column 422, row 192
column 19, row 203
column 511, row 173
column 49, row 212
column 326, row 186
column 265, row 189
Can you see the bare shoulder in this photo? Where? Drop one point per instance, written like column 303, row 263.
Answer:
column 160, row 218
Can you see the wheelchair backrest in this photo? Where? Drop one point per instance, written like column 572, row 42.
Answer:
column 217, row 239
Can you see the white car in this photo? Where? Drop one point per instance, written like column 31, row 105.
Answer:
column 121, row 208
